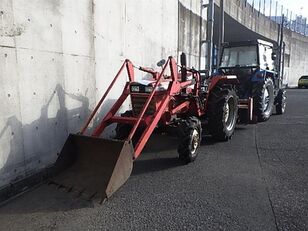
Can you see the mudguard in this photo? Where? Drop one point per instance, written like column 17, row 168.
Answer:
column 222, row 79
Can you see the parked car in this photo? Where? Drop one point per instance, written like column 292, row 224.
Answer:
column 303, row 81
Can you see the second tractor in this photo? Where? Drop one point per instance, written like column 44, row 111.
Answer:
column 259, row 71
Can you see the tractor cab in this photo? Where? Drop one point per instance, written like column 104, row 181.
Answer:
column 250, row 61
column 256, row 66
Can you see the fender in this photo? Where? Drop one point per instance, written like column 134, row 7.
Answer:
column 222, row 79
column 259, row 76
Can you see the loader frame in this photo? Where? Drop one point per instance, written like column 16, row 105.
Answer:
column 149, row 121
column 97, row 166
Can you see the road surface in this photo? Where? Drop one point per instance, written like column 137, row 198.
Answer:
column 257, row 181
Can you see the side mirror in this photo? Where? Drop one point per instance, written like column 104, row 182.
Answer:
column 274, row 56
column 161, row 63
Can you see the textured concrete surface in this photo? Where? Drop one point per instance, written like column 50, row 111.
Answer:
column 58, row 57
column 56, row 60
column 47, row 80
column 257, row 181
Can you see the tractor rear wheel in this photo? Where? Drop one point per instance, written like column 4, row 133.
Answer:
column 263, row 98
column 223, row 108
column 190, row 138
column 281, row 101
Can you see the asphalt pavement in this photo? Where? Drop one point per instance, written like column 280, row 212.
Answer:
column 256, row 181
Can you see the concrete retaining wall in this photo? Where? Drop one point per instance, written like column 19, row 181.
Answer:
column 47, row 77
column 57, row 57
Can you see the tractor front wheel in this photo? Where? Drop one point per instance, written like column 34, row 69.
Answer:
column 190, row 138
column 223, row 108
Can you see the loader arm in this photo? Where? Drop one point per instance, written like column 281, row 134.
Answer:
column 98, row 167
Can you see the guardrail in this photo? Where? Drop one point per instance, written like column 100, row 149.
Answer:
column 272, row 9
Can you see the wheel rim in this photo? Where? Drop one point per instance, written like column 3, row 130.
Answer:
column 266, row 99
column 229, row 113
column 283, row 103
column 194, row 142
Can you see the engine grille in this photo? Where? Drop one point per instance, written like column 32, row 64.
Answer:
column 138, row 103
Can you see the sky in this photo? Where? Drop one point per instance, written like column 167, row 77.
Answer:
column 299, row 7
column 296, row 6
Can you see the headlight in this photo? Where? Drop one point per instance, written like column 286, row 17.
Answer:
column 148, row 89
column 134, row 88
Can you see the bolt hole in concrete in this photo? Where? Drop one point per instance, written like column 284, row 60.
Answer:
column 29, row 19
column 1, row 12
column 5, row 55
column 31, row 57
column 8, row 95
column 50, row 25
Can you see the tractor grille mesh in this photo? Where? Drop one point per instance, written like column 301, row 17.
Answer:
column 138, row 103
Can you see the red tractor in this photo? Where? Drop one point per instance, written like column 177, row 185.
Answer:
column 179, row 100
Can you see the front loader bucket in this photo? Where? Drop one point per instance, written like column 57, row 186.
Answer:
column 92, row 166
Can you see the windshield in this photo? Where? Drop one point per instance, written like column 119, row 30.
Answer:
column 242, row 56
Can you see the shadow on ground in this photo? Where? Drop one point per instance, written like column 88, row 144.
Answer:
column 159, row 154
column 45, row 198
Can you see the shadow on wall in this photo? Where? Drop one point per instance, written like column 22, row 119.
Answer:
column 35, row 146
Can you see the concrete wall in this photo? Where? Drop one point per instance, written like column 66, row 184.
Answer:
column 190, row 27
column 47, row 77
column 57, row 57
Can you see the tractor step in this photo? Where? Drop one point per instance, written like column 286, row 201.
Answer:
column 123, row 120
column 247, row 104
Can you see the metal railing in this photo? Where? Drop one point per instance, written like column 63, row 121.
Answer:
column 276, row 11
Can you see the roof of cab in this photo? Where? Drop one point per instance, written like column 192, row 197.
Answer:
column 247, row 43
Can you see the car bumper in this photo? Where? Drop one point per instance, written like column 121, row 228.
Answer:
column 300, row 85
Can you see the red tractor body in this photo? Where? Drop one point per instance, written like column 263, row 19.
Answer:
column 179, row 99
